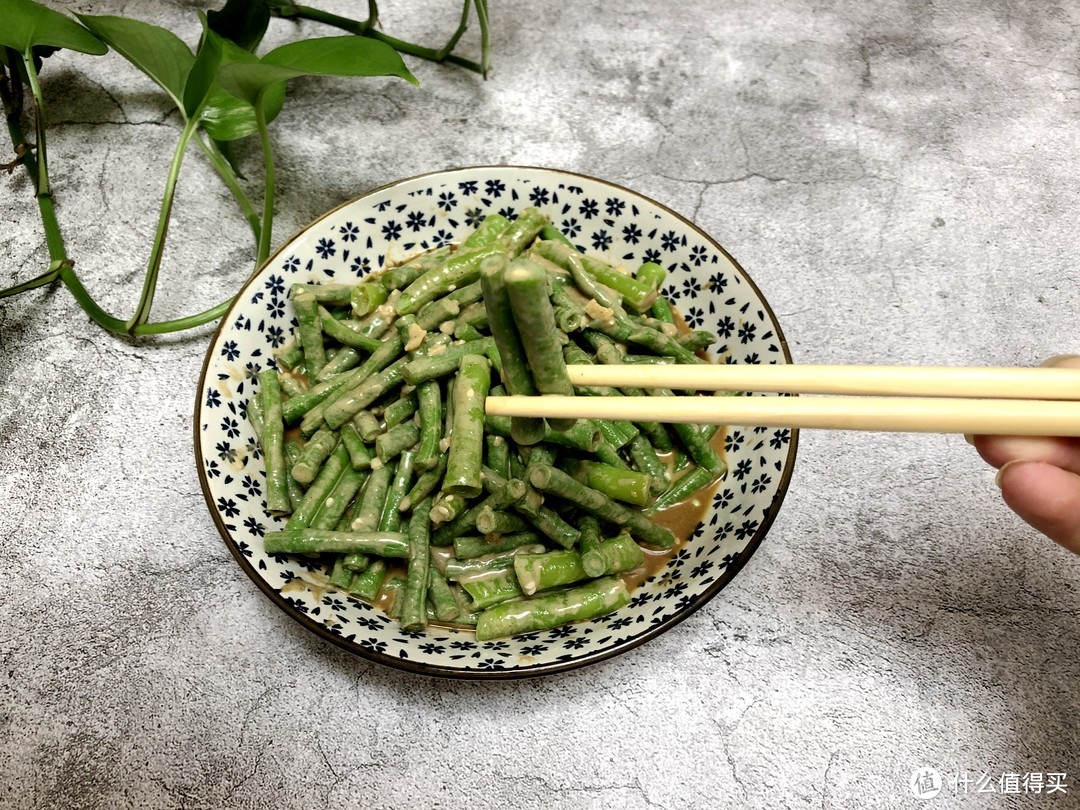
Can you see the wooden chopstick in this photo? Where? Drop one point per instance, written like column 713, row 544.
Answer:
column 953, row 400
column 913, row 381
column 896, row 414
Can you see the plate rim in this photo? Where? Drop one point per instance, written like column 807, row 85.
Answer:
column 539, row 670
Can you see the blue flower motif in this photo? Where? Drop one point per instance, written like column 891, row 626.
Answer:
column 213, row 398
column 742, row 469
column 432, row 649
column 701, row 569
column 325, row 248
column 588, row 208
column 212, row 469
column 442, row 238
column 361, row 265
column 508, row 212
column 653, row 255
column 695, row 316
column 276, row 284
column 534, row 650
column 226, row 452
column 725, row 326
column 391, row 230
column 231, row 427
column 718, row 281
column 229, row 350
column 780, row 438
column 415, row 221
column 244, row 548
column 632, row 233
column 228, row 506
column 697, row 255
column 539, row 196
column 691, row 287
column 746, row 332
column 447, row 200
column 601, row 240
column 748, row 528
column 254, row 527
column 571, row 227
column 251, row 485
column 614, row 206
column 275, row 336
column 669, row 241
column 467, row 187
column 575, row 643
column 348, row 232
column 733, row 441
column 760, row 483
column 276, row 308
column 473, row 217
column 290, row 265
column 373, row 644
column 619, row 623
column 495, row 187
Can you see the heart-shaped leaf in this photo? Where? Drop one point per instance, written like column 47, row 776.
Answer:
column 26, row 24
column 158, row 53
column 325, row 56
column 241, row 21
column 227, row 118
column 201, row 76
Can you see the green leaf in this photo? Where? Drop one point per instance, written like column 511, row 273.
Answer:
column 241, row 21
column 201, row 76
column 227, row 118
column 322, row 56
column 341, row 56
column 158, row 53
column 26, row 24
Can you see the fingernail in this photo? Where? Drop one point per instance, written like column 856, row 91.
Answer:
column 1004, row 467
column 1058, row 359
column 970, row 439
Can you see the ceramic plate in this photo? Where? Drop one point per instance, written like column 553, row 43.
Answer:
column 400, row 220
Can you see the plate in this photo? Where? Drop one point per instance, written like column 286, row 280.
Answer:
column 397, row 221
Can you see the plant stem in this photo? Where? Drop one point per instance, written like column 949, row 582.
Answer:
column 337, row 21
column 146, row 299
column 186, row 322
column 42, row 182
column 228, row 176
column 268, row 181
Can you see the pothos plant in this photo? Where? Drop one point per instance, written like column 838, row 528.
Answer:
column 223, row 92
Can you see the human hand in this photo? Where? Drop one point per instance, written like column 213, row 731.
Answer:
column 1039, row 476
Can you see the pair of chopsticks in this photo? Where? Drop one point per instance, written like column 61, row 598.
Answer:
column 907, row 399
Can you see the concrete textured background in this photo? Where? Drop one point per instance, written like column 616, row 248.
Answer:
column 901, row 180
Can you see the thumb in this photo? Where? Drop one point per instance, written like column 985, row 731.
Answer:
column 1046, row 497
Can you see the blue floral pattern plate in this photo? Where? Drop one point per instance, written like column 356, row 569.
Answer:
column 402, row 219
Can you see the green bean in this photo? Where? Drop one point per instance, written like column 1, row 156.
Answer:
column 652, row 276
column 430, row 367
column 425, row 485
column 379, row 360
column 397, row 277
column 479, row 567
column 366, row 297
column 460, row 269
column 429, row 406
column 497, row 454
column 449, row 306
column 296, row 491
column 550, row 232
column 337, row 363
column 637, row 294
column 487, row 232
column 515, row 372
column 501, row 495
column 339, row 499
column 307, row 315
column 396, row 440
column 591, row 559
column 701, row 451
column 491, row 521
column 470, row 546
column 313, row 454
column 558, row 483
column 467, row 445
column 367, row 583
column 372, row 501
column 313, row 541
column 541, row 572
column 496, row 586
column 646, row 460
column 596, row 598
column 696, row 341
column 527, row 288
column 629, row 486
column 256, row 417
column 359, row 454
column 413, row 613
column 340, row 576
column 467, row 332
column 346, row 332
column 448, row 507
column 441, row 597
column 290, row 356
column 344, row 408
column 393, row 590
column 333, row 294
column 299, row 405
column 319, row 490
column 273, row 442
column 390, row 519
column 686, row 485
column 646, row 360
column 400, row 409
column 523, row 230
column 292, row 386
column 368, row 426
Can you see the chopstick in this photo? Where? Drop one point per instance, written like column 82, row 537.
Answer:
column 933, row 412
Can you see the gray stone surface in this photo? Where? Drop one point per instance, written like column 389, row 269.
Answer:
column 900, row 180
